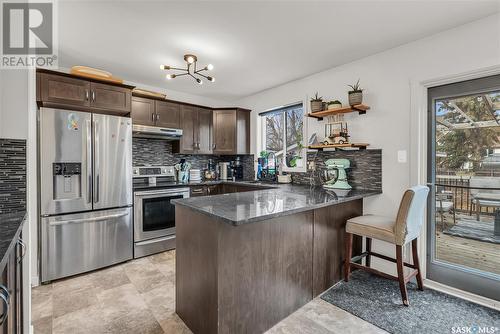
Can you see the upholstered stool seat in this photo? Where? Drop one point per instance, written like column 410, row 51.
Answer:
column 372, row 226
column 400, row 230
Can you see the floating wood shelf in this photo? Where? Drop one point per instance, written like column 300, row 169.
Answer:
column 321, row 147
column 360, row 108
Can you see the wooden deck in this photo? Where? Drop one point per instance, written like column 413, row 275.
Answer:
column 466, row 252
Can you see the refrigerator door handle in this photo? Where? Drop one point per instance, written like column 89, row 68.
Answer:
column 88, row 220
column 96, row 162
column 89, row 161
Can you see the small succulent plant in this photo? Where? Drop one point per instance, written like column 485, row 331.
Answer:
column 356, row 87
column 317, row 98
column 335, row 102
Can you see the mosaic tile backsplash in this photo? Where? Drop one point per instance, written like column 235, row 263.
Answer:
column 158, row 152
column 12, row 175
column 365, row 171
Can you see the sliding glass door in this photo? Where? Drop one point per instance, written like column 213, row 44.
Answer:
column 464, row 174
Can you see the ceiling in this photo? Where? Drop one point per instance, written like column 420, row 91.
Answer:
column 253, row 45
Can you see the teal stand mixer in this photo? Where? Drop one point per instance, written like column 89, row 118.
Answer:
column 339, row 182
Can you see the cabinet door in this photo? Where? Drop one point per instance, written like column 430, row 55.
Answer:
column 213, row 189
column 64, row 90
column 204, row 134
column 242, row 132
column 110, row 97
column 224, row 123
column 143, row 111
column 189, row 125
column 167, row 114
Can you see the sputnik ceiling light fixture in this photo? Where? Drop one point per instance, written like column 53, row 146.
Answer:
column 191, row 70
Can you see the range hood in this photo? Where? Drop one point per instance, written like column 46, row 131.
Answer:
column 144, row 131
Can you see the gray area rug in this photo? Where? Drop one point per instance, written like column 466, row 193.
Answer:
column 471, row 229
column 378, row 301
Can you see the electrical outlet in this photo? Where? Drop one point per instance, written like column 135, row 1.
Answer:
column 402, row 156
column 311, row 166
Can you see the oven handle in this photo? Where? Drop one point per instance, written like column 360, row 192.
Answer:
column 88, row 220
column 161, row 192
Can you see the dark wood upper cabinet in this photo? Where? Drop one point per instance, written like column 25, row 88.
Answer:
column 196, row 125
column 167, row 114
column 110, row 97
column 189, row 125
column 231, row 131
column 204, row 131
column 143, row 111
column 64, row 90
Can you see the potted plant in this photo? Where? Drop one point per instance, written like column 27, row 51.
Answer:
column 355, row 94
column 316, row 103
column 335, row 104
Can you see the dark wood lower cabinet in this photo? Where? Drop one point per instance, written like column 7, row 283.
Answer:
column 246, row 278
column 11, row 291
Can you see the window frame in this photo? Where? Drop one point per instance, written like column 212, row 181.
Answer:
column 262, row 123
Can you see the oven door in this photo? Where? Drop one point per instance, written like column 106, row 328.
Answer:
column 154, row 214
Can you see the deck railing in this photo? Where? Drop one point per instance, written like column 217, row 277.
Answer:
column 460, row 187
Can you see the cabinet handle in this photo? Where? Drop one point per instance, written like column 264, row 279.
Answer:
column 5, row 297
column 157, row 117
column 214, row 146
column 93, row 96
column 86, row 94
column 153, row 117
column 21, row 243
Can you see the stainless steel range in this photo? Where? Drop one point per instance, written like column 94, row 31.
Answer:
column 154, row 214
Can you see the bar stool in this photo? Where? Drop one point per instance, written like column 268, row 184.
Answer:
column 398, row 231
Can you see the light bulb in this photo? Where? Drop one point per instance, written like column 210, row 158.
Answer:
column 199, row 81
column 190, row 59
column 164, row 67
column 210, row 67
column 170, row 76
column 211, row 79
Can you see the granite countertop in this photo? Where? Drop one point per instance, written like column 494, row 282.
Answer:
column 10, row 224
column 272, row 201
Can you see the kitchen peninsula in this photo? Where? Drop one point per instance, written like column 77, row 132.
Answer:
column 246, row 260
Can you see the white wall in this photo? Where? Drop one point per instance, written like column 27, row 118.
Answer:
column 386, row 78
column 14, row 113
column 13, row 104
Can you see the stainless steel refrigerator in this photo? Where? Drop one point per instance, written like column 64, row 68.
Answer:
column 85, row 197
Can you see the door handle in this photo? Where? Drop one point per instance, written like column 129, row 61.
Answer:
column 21, row 243
column 5, row 297
column 89, row 162
column 96, row 161
column 88, row 220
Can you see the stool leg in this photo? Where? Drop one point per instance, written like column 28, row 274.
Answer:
column 368, row 249
column 401, row 274
column 348, row 256
column 416, row 262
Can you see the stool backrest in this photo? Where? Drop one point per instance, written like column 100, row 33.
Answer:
column 410, row 214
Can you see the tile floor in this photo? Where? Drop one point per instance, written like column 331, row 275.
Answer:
column 139, row 297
